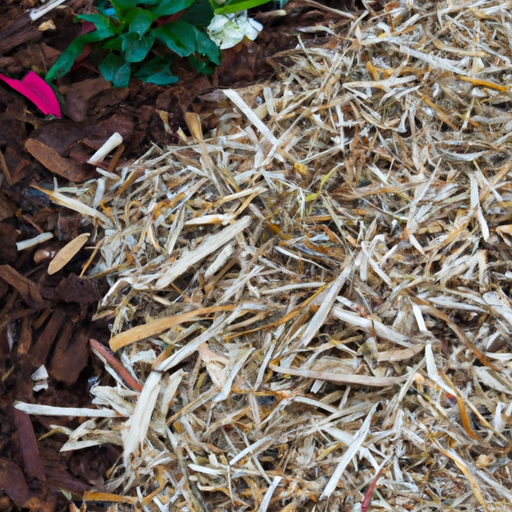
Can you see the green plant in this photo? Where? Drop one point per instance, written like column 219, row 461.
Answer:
column 134, row 36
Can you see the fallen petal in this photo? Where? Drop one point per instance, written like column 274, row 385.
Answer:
column 37, row 91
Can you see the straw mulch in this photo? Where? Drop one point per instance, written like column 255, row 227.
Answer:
column 314, row 297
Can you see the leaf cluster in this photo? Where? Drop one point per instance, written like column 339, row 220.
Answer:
column 140, row 37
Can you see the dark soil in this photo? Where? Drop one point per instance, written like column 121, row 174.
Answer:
column 47, row 319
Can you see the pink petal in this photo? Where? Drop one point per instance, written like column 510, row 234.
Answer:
column 37, row 91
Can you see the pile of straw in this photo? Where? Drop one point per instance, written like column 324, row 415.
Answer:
column 312, row 300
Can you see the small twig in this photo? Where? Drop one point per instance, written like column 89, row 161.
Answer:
column 105, row 353
column 369, row 493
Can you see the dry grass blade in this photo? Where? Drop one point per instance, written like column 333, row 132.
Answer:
column 357, row 380
column 48, row 410
column 349, row 454
column 160, row 325
column 210, row 244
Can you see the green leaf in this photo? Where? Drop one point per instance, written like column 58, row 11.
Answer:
column 104, row 27
column 180, row 42
column 140, row 20
column 115, row 70
column 122, row 77
column 205, row 67
column 206, row 47
column 69, row 55
column 136, row 48
column 123, row 8
column 110, row 65
column 114, row 44
column 184, row 39
column 157, row 71
column 199, row 14
column 239, row 5
column 124, row 5
column 168, row 7
column 165, row 77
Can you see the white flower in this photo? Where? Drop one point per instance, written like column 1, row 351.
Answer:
column 227, row 30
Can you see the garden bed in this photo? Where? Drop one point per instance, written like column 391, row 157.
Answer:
column 305, row 291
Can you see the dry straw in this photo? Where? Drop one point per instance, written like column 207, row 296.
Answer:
column 315, row 295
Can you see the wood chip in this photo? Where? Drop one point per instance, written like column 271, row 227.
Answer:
column 26, row 288
column 55, row 163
